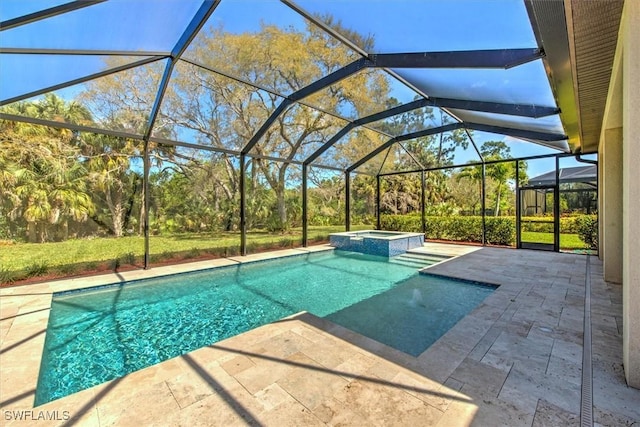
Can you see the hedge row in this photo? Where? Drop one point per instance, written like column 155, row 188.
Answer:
column 499, row 230
column 569, row 224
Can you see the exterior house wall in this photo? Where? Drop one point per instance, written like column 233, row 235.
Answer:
column 619, row 152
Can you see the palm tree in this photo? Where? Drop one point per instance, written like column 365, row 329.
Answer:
column 473, row 174
column 499, row 173
column 52, row 107
column 42, row 179
column 108, row 160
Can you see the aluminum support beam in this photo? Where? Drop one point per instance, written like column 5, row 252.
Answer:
column 423, row 202
column 378, row 219
column 518, row 207
column 517, row 133
column 484, row 204
column 475, row 146
column 522, row 110
column 265, row 89
column 389, row 143
column 328, row 29
column 80, row 80
column 266, row 125
column 46, row 13
column 556, row 208
column 243, row 205
column 305, row 213
column 416, row 161
column 501, row 58
column 335, row 138
column 70, row 126
column 155, row 108
column 488, row 162
column 368, row 119
column 80, row 52
column 347, row 201
column 314, row 87
column 171, row 142
column 146, row 202
column 386, row 156
column 199, row 19
column 497, row 58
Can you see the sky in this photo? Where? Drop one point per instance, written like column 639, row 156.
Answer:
column 397, row 26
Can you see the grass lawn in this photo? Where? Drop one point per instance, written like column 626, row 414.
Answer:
column 567, row 241
column 23, row 260
column 40, row 257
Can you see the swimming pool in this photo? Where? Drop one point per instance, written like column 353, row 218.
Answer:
column 98, row 335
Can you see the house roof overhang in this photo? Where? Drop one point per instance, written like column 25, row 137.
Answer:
column 579, row 39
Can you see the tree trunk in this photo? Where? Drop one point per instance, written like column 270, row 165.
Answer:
column 498, row 192
column 282, row 207
column 31, row 231
column 142, row 218
column 118, row 223
column 62, row 231
column 42, row 232
column 117, row 211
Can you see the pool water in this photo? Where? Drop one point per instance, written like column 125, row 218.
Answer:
column 98, row 335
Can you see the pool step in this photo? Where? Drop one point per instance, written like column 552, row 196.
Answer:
column 423, row 256
column 417, row 260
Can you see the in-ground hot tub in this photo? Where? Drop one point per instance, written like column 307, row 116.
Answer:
column 374, row 242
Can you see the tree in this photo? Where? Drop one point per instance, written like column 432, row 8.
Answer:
column 470, row 198
column 224, row 113
column 108, row 161
column 325, row 197
column 433, row 151
column 499, row 172
column 401, row 194
column 43, row 183
column 185, row 197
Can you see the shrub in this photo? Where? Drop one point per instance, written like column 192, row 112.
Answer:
column 68, row 269
column 544, row 224
column 499, row 230
column 286, row 243
column 537, row 224
column 129, row 258
column 91, row 265
column 192, row 253
column 410, row 223
column 7, row 276
column 37, row 269
column 587, row 229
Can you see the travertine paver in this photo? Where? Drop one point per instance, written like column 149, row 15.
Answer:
column 515, row 361
column 548, row 414
column 614, row 402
